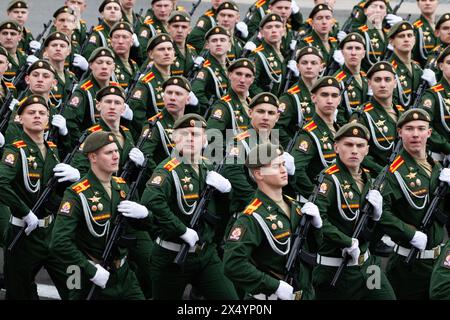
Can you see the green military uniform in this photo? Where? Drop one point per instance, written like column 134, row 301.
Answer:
column 136, row 20
column 426, row 40
column 24, row 43
column 358, row 16
column 125, row 72
column 376, row 44
column 99, row 38
column 313, row 40
column 184, row 61
column 197, row 37
column 150, row 28
column 440, row 279
column 80, row 32
column 63, row 88
column 14, row 66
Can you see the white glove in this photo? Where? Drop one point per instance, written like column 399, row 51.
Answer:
column 292, row 65
column 198, row 61
column 32, row 222
column 193, row 101
column 250, row 46
column 67, row 172
column 419, row 240
column 137, row 156
column 393, row 19
column 369, row 92
column 289, row 163
column 312, row 210
column 390, row 47
column 35, row 45
column 2, row 140
column 285, row 291
column 101, row 276
column 14, row 102
column 293, row 45
column 445, row 175
column 131, row 209
column 294, row 7
column 429, row 76
column 341, row 35
column 190, row 237
column 353, row 251
column 127, row 114
column 31, row 59
column 242, row 27
column 135, row 40
column 217, row 181
column 80, row 62
column 338, row 57
column 60, row 122
column 376, row 200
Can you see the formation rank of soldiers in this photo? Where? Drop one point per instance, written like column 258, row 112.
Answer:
column 256, row 159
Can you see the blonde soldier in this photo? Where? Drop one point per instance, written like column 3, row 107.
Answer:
column 10, row 34
column 18, row 11
column 426, row 39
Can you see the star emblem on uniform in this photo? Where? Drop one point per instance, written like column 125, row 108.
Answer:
column 272, row 217
column 350, row 87
column 324, row 139
column 447, row 101
column 411, row 175
column 402, row 77
column 380, row 123
column 186, row 179
column 304, row 104
column 346, row 185
column 94, row 199
column 31, row 158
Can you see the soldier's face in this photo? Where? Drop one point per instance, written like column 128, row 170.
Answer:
column 34, row 118
column 57, row 50
column 216, row 3
column 376, row 12
column 351, row 151
column 106, row 159
column 3, row 65
column 353, row 53
column 444, row 32
column 273, row 32
column 227, row 19
column 445, row 67
column 273, row 175
column 218, row 44
column 382, row 84
column 175, row 99
column 77, row 5
column 102, row 68
column 283, row 8
column 163, row 54
column 111, row 107
column 427, row 7
column 263, row 117
column 241, row 79
column 404, row 41
column 179, row 31
column 310, row 66
column 323, row 22
column 414, row 135
column 65, row 22
column 121, row 42
column 326, row 100
column 127, row 4
column 40, row 81
column 9, row 39
column 112, row 12
column 162, row 9
column 189, row 141
column 19, row 15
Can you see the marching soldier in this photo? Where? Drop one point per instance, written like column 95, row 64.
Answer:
column 18, row 11
column 10, row 35
column 442, row 31
column 227, row 15
column 426, row 39
column 359, row 15
column 313, row 150
column 296, row 106
column 440, row 278
column 87, row 211
column 345, row 188
column 26, row 166
column 129, row 15
column 179, row 26
column 259, row 241
column 80, row 29
column 5, row 86
column 411, row 180
column 172, row 193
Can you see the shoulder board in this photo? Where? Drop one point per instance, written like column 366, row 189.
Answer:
column 333, row 39
column 113, row 83
column 259, row 49
column 295, row 89
column 80, row 187
column 341, row 76
column 310, row 126
column 255, row 204
column 148, row 21
column 95, row 128
column 19, row 144
column 418, row 24
column 242, row 135
column 260, row 3
column 172, row 164
column 397, row 163
column 10, row 85
column 309, row 39
column 51, row 144
column 394, row 64
column 363, row 74
column 226, row 98
column 361, row 4
column 363, row 28
column 82, row 21
column 119, row 180
column 87, row 85
column 209, row 13
column 437, row 88
column 124, row 128
column 133, row 62
column 368, row 107
column 207, row 63
column 400, row 107
column 159, row 115
column 190, row 46
column 332, row 170
column 148, row 77
column 366, row 170
column 99, row 28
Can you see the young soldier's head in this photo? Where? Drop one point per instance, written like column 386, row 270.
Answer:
column 18, row 11
column 10, row 35
column 110, row 103
column 4, row 64
column 352, row 144
column 382, row 81
column 64, row 20
column 111, row 11
column 264, row 113
column 41, row 77
column 189, row 136
column 102, row 64
column 227, row 15
column 176, row 95
column 444, row 63
column 375, row 11
column 127, row 4
column 179, row 26
column 272, row 28
column 310, row 63
column 102, row 152
column 241, row 74
column 57, row 47
column 442, row 30
column 267, row 166
column 401, row 37
column 326, row 96
column 162, row 9
column 216, row 3
column 427, row 7
column 322, row 20
column 33, row 113
column 77, row 5
column 414, row 129
column 282, row 8
column 121, row 36
column 160, row 50
column 218, row 41
column 353, row 50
